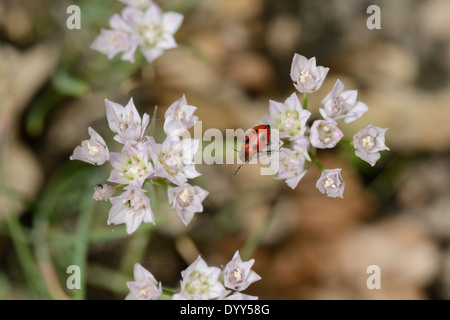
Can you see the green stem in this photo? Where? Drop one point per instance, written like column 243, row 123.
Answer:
column 305, row 101
column 81, row 244
column 255, row 238
column 168, row 291
column 120, row 186
column 19, row 238
column 345, row 142
column 25, row 256
column 119, row 232
column 81, row 247
column 108, row 279
column 135, row 250
column 316, row 162
column 162, row 182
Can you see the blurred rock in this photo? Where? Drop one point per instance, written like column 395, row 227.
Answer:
column 443, row 287
column 238, row 10
column 284, row 218
column 210, row 47
column 407, row 257
column 251, row 71
column 236, row 37
column 23, row 73
column 16, row 22
column 433, row 20
column 73, row 120
column 21, row 175
column 423, row 182
column 423, row 193
column 21, row 76
column 378, row 63
column 217, row 181
column 435, row 216
column 283, row 35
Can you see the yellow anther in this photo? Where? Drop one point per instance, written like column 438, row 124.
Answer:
column 330, row 183
column 304, row 76
column 179, row 115
column 93, row 150
column 368, row 142
column 238, row 274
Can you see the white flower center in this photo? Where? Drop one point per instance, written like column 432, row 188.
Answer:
column 196, row 283
column 143, row 292
column 117, row 41
column 179, row 115
column 185, row 197
column 237, row 275
column 289, row 123
column 93, row 150
column 134, row 202
column 126, row 120
column 292, row 163
column 135, row 168
column 172, row 163
column 151, row 33
column 330, row 183
column 367, row 142
column 326, row 133
column 305, row 75
column 339, row 106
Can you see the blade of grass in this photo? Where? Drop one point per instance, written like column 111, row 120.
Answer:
column 82, row 239
column 63, row 182
column 255, row 238
column 25, row 256
column 108, row 279
column 135, row 250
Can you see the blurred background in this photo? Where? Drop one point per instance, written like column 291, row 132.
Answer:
column 233, row 56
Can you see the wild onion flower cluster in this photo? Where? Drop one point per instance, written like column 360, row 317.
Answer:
column 199, row 282
column 142, row 24
column 299, row 138
column 142, row 160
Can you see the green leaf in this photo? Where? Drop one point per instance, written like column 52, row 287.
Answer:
column 69, row 85
column 152, row 126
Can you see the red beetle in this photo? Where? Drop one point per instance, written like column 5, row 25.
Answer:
column 254, row 141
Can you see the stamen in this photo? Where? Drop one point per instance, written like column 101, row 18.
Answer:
column 330, row 183
column 179, row 115
column 133, row 170
column 368, row 142
column 143, row 292
column 185, row 197
column 304, row 76
column 93, row 150
column 116, row 40
column 238, row 274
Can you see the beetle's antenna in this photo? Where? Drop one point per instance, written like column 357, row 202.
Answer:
column 238, row 169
